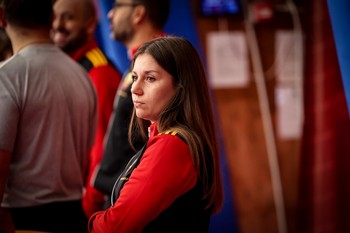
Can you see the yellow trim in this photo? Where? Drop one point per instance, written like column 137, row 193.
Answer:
column 169, row 132
column 122, row 93
column 96, row 57
column 128, row 79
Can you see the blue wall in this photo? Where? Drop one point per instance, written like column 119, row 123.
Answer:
column 339, row 11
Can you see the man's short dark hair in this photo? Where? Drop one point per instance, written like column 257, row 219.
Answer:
column 28, row 13
column 158, row 11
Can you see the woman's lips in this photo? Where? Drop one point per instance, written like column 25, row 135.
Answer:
column 137, row 104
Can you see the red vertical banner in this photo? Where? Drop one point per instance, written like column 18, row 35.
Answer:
column 325, row 157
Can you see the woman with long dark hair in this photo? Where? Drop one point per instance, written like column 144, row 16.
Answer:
column 173, row 184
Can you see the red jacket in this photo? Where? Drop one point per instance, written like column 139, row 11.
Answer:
column 105, row 78
column 166, row 172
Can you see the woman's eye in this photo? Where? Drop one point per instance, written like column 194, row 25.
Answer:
column 134, row 78
column 150, row 79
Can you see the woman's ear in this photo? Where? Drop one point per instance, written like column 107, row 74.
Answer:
column 139, row 14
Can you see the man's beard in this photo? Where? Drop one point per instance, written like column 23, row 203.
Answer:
column 122, row 37
column 75, row 44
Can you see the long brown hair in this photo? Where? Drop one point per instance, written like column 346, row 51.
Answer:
column 190, row 112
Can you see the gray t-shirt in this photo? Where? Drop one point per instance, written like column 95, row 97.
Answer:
column 47, row 121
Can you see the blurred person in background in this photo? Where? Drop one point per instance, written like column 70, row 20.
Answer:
column 73, row 30
column 133, row 22
column 48, row 114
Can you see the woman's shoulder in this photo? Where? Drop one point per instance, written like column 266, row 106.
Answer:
column 171, row 135
column 168, row 148
column 168, row 139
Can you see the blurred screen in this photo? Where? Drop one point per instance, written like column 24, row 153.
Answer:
column 220, row 7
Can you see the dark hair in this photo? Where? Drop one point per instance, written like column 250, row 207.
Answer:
column 157, row 10
column 27, row 13
column 5, row 45
column 190, row 112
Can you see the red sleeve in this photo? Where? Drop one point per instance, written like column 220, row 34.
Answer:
column 165, row 172
column 106, row 80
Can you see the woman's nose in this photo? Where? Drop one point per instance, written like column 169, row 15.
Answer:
column 136, row 88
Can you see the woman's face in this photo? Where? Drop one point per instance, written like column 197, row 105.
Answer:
column 152, row 88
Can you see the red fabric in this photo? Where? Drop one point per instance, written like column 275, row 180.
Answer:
column 325, row 159
column 106, row 80
column 165, row 172
column 80, row 53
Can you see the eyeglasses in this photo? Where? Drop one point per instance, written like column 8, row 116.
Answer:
column 120, row 4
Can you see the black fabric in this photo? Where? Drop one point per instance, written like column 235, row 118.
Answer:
column 124, row 176
column 86, row 63
column 118, row 150
column 186, row 214
column 58, row 217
